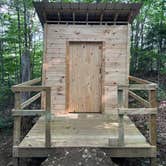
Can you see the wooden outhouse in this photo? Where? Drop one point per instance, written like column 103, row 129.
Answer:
column 85, row 84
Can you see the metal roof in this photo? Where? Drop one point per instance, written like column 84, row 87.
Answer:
column 86, row 13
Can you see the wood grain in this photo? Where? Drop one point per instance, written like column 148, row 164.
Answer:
column 114, row 58
column 85, row 77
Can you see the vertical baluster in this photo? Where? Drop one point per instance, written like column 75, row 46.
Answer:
column 121, row 118
column 48, row 118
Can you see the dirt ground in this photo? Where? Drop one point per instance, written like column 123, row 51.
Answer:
column 80, row 157
column 85, row 157
column 5, row 147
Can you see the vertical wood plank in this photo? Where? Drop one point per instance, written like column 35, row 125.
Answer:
column 17, row 121
column 152, row 121
column 121, row 118
column 67, row 78
column 48, row 118
column 102, row 78
column 44, row 64
column 127, row 64
column 85, row 77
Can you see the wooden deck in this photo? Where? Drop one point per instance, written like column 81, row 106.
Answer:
column 80, row 130
column 84, row 130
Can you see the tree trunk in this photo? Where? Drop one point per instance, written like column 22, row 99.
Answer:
column 1, row 62
column 25, row 66
column 136, row 41
column 19, row 32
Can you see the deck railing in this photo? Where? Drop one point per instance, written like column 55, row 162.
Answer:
column 149, row 106
column 19, row 110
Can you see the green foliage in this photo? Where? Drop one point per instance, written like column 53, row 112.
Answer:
column 12, row 45
column 161, row 95
column 148, row 51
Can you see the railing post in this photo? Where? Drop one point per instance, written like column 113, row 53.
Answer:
column 17, row 121
column 48, row 118
column 152, row 120
column 153, row 124
column 121, row 118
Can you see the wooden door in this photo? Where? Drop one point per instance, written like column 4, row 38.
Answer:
column 85, row 70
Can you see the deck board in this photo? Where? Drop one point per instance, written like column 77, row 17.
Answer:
column 78, row 130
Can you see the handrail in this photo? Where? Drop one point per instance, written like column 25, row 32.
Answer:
column 18, row 111
column 151, row 106
column 27, row 88
column 139, row 86
column 27, row 112
column 30, row 82
column 139, row 80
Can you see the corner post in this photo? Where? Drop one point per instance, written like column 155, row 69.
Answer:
column 153, row 124
column 17, row 127
column 17, row 121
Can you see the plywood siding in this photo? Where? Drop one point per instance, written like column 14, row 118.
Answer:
column 115, row 59
column 85, row 77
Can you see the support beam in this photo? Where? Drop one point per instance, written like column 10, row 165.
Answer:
column 123, row 151
column 89, row 22
column 139, row 99
column 29, row 101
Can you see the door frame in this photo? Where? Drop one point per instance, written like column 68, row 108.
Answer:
column 67, row 80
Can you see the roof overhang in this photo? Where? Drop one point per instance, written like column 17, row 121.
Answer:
column 86, row 13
